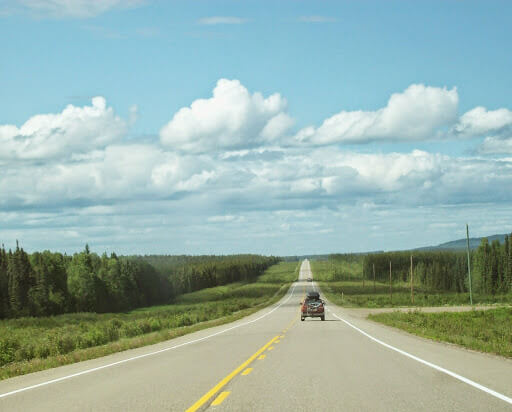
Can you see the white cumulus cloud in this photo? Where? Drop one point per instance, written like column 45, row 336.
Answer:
column 480, row 121
column 494, row 125
column 232, row 118
column 74, row 130
column 415, row 114
column 76, row 8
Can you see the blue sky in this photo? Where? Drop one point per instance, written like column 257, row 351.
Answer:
column 334, row 125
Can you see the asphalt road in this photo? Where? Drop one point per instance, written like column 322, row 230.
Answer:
column 271, row 361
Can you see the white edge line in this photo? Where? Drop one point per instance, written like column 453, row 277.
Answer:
column 3, row 395
column 439, row 368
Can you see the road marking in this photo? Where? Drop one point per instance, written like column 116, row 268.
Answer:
column 262, row 357
column 270, row 348
column 282, row 336
column 277, row 341
column 247, row 371
column 219, row 399
column 208, row 395
column 292, row 322
column 74, row 375
column 432, row 365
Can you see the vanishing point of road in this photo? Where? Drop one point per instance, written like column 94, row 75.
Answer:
column 271, row 361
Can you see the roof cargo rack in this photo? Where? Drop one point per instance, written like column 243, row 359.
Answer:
column 313, row 295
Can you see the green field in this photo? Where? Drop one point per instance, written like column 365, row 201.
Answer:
column 343, row 284
column 31, row 344
column 486, row 331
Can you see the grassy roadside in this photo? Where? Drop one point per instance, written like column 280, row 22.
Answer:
column 486, row 331
column 33, row 344
column 352, row 292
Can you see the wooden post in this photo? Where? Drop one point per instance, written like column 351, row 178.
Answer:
column 390, row 285
column 412, row 286
column 374, row 277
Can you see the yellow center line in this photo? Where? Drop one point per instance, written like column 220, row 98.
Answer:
column 262, row 357
column 218, row 400
column 270, row 348
column 247, row 371
column 208, row 395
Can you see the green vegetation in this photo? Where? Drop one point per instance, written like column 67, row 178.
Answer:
column 48, row 283
column 439, row 278
column 447, row 271
column 190, row 273
column 29, row 344
column 483, row 330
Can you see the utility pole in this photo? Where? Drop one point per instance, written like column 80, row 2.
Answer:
column 469, row 265
column 374, row 277
column 390, row 285
column 412, row 286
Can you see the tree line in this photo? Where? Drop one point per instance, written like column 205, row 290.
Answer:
column 49, row 283
column 491, row 268
column 191, row 273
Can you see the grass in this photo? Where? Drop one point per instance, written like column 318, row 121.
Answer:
column 32, row 344
column 486, row 331
column 351, row 292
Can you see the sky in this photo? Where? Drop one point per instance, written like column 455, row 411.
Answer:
column 284, row 127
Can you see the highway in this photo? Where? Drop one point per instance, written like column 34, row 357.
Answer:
column 271, row 361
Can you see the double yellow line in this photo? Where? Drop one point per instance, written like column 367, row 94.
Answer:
column 212, row 392
column 208, row 395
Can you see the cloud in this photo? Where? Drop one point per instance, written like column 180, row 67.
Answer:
column 225, row 219
column 117, row 173
column 221, row 20
column 232, row 118
column 224, row 161
column 415, row 114
column 495, row 145
column 494, row 125
column 76, row 8
column 480, row 121
column 317, row 19
column 74, row 130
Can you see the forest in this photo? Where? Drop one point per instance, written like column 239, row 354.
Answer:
column 491, row 268
column 50, row 283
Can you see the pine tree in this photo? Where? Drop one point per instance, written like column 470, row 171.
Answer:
column 508, row 263
column 4, row 296
column 19, row 273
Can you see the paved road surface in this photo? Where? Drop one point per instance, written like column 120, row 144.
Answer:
column 340, row 364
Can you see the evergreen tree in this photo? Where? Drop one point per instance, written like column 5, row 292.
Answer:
column 82, row 283
column 4, row 296
column 508, row 263
column 19, row 274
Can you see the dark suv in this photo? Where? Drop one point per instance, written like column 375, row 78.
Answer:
column 312, row 306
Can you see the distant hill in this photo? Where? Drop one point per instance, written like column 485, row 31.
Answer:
column 459, row 244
